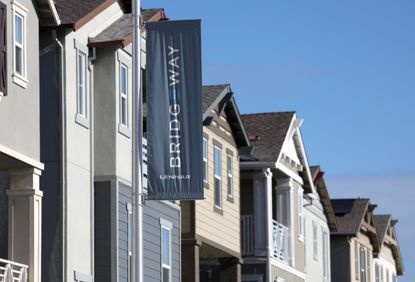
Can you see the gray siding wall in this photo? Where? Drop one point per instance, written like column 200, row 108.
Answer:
column 102, row 225
column 153, row 211
column 19, row 111
column 340, row 259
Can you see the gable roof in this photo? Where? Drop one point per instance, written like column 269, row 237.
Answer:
column 267, row 132
column 382, row 222
column 349, row 214
column 120, row 32
column 318, row 178
column 74, row 13
column 220, row 97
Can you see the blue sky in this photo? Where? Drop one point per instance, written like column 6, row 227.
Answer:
column 346, row 67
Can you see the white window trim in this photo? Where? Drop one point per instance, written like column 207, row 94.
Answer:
column 20, row 79
column 205, row 160
column 300, row 202
column 82, row 277
column 315, row 242
column 229, row 175
column 167, row 225
column 219, row 177
column 326, row 255
column 82, row 118
column 123, row 59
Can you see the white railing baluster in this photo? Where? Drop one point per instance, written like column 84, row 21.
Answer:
column 280, row 238
column 11, row 271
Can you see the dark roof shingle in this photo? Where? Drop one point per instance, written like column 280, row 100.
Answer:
column 381, row 224
column 267, row 132
column 70, row 11
column 349, row 214
column 210, row 94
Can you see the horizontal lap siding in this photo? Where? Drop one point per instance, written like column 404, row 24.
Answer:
column 153, row 211
column 221, row 229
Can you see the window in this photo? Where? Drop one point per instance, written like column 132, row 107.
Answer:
column 356, row 260
column 325, row 255
column 362, row 264
column 315, row 256
column 129, row 238
column 81, row 84
column 229, row 160
column 166, row 228
column 300, row 216
column 205, row 161
column 218, row 177
column 19, row 44
column 123, row 95
column 377, row 272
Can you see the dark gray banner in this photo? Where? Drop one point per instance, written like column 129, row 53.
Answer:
column 174, row 110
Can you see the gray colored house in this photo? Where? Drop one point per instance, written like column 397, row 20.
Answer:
column 112, row 157
column 20, row 163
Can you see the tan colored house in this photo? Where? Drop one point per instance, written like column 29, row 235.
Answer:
column 274, row 184
column 211, row 227
column 388, row 263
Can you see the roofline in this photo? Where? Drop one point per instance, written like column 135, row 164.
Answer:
column 127, row 40
column 222, row 95
column 54, row 11
column 238, row 115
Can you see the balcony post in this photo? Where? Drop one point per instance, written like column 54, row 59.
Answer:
column 25, row 220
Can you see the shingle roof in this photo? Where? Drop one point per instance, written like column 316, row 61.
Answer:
column 349, row 214
column 70, row 11
column 210, row 94
column 120, row 31
column 267, row 132
column 381, row 224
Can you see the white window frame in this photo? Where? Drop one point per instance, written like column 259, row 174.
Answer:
column 326, row 258
column 300, row 203
column 315, row 243
column 217, row 177
column 229, row 175
column 123, row 61
column 166, row 225
column 20, row 11
column 82, row 89
column 205, row 159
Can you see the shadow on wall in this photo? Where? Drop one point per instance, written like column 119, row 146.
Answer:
column 4, row 186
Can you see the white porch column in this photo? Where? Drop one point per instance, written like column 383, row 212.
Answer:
column 268, row 189
column 25, row 220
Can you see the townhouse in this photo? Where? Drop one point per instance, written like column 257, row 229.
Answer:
column 86, row 102
column 20, row 162
column 320, row 221
column 211, row 227
column 273, row 183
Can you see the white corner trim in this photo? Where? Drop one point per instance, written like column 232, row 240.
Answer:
column 21, row 157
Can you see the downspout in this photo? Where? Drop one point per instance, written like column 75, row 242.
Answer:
column 91, row 156
column 63, row 152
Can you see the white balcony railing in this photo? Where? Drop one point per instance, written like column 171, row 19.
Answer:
column 280, row 241
column 12, row 271
column 247, row 230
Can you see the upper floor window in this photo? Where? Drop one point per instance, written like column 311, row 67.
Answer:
column 19, row 44
column 81, row 84
column 218, row 176
column 123, row 95
column 205, row 160
column 300, row 215
column 363, row 269
column 229, row 160
column 315, row 253
column 166, row 228
column 123, row 92
column 325, row 256
column 377, row 272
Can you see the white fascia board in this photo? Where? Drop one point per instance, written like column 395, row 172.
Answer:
column 21, row 157
column 290, row 173
column 253, row 165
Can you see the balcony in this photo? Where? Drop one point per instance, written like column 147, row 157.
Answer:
column 280, row 239
column 280, row 242
column 12, row 271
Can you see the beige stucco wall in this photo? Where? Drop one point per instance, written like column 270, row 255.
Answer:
column 387, row 262
column 223, row 229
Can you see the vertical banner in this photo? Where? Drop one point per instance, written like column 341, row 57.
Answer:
column 174, row 110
